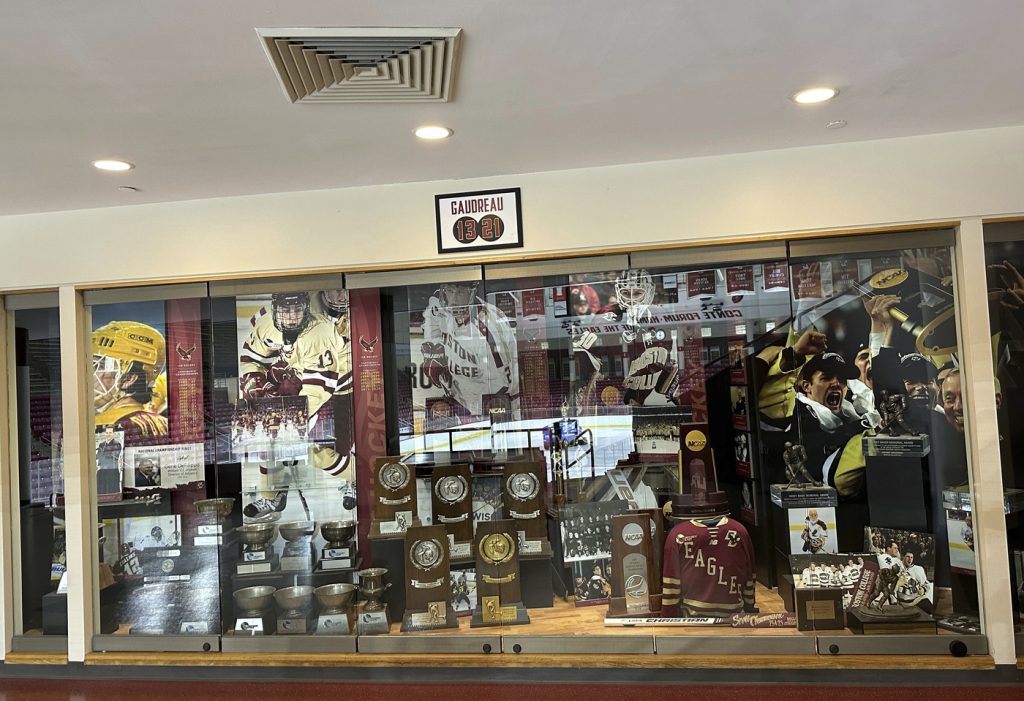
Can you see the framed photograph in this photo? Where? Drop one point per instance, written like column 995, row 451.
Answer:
column 812, row 531
column 468, row 221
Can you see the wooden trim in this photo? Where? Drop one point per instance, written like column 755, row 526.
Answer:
column 1000, row 220
column 505, row 660
column 36, row 658
column 519, row 256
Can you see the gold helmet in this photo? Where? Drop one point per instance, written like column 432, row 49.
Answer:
column 116, row 346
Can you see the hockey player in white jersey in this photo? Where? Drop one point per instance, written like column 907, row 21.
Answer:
column 469, row 350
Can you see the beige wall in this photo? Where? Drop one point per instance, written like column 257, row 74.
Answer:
column 925, row 178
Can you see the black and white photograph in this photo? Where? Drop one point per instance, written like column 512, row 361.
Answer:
column 587, row 529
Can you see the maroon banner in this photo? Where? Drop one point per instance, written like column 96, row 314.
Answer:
column 740, row 279
column 776, row 276
column 533, row 303
column 184, row 371
column 701, row 282
column 368, row 400
column 807, row 281
column 692, row 390
column 844, row 275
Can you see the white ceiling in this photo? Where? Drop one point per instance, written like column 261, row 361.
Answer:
column 182, row 89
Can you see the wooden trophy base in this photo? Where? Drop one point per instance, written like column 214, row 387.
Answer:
column 617, row 608
column 864, row 621
column 500, row 615
column 423, row 620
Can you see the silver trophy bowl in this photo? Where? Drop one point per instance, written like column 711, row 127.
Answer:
column 337, row 533
column 221, row 508
column 293, row 600
column 252, row 601
column 296, row 530
column 256, row 536
column 334, row 598
column 371, row 586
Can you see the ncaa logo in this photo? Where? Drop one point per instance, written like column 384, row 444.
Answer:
column 632, row 534
column 696, row 440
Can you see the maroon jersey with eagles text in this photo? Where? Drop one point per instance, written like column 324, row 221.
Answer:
column 708, row 569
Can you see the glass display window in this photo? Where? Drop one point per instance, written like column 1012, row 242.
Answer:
column 1004, row 256
column 37, row 441
column 283, row 407
column 150, row 383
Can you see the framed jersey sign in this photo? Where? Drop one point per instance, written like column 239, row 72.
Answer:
column 468, row 221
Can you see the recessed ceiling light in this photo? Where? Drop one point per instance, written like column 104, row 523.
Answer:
column 112, row 165
column 812, row 96
column 836, row 124
column 433, row 133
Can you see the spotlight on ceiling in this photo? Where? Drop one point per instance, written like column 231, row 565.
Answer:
column 812, row 96
column 112, row 165
column 433, row 132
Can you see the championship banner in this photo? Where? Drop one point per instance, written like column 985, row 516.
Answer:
column 776, row 276
column 807, row 281
column 692, row 390
column 533, row 302
column 184, row 371
column 845, row 275
column 740, row 280
column 700, row 283
column 368, row 398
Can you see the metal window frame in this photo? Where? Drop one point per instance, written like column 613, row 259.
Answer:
column 1003, row 232
column 710, row 256
column 898, row 644
column 147, row 293
column 863, row 244
column 556, row 267
column 156, row 643
column 735, row 644
column 269, row 285
column 418, row 276
column 15, row 302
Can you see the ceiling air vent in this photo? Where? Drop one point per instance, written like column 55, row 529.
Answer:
column 364, row 64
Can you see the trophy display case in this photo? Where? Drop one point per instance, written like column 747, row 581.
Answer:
column 592, row 468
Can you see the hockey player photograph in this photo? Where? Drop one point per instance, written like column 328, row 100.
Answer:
column 469, row 355
column 293, row 422
column 813, row 531
column 595, row 579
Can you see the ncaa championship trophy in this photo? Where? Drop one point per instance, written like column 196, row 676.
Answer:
column 499, row 600
column 522, row 501
column 636, row 589
column 451, row 499
column 428, row 591
column 394, row 498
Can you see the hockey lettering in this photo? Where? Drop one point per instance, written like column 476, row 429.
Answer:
column 478, row 204
column 709, row 565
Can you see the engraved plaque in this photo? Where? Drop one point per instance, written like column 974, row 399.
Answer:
column 426, row 579
column 522, row 500
column 394, row 497
column 634, row 571
column 499, row 597
column 451, row 499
